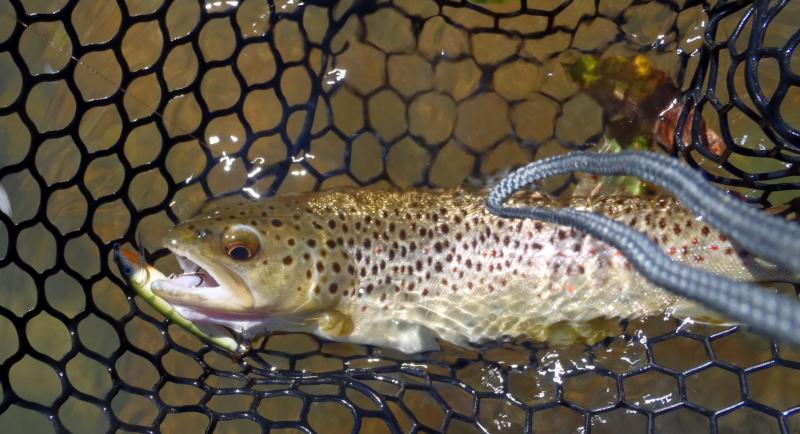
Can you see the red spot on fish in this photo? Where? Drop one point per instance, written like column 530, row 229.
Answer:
column 671, row 250
column 714, row 247
column 695, row 241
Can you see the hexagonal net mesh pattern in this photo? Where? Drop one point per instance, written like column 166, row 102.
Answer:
column 121, row 117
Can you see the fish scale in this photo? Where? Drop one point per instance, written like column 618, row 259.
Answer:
column 440, row 260
column 404, row 268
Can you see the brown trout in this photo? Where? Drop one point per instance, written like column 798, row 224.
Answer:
column 400, row 269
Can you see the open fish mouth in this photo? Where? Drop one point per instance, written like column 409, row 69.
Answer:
column 204, row 285
column 207, row 294
column 195, row 285
column 193, row 270
column 193, row 276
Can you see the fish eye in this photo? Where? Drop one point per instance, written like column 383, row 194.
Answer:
column 241, row 243
column 239, row 252
column 127, row 270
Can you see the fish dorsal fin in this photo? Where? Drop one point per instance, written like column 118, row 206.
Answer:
column 576, row 185
column 474, row 183
column 589, row 185
column 483, row 186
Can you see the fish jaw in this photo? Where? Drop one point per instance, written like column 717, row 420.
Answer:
column 205, row 286
column 176, row 291
column 251, row 325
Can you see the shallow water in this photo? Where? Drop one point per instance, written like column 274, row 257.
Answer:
column 417, row 93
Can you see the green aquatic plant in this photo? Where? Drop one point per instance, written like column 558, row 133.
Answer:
column 641, row 101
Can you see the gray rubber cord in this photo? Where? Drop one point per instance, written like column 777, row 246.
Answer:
column 769, row 237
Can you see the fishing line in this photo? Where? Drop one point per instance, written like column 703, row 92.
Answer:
column 101, row 76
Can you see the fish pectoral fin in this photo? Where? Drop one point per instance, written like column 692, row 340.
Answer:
column 334, row 323
column 686, row 309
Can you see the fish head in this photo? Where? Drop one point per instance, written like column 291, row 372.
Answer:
column 132, row 266
column 270, row 257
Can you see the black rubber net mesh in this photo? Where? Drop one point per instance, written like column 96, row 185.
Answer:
column 118, row 118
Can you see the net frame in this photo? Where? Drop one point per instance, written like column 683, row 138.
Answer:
column 255, row 370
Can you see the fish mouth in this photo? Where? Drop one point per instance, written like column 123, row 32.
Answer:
column 194, row 274
column 205, row 287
